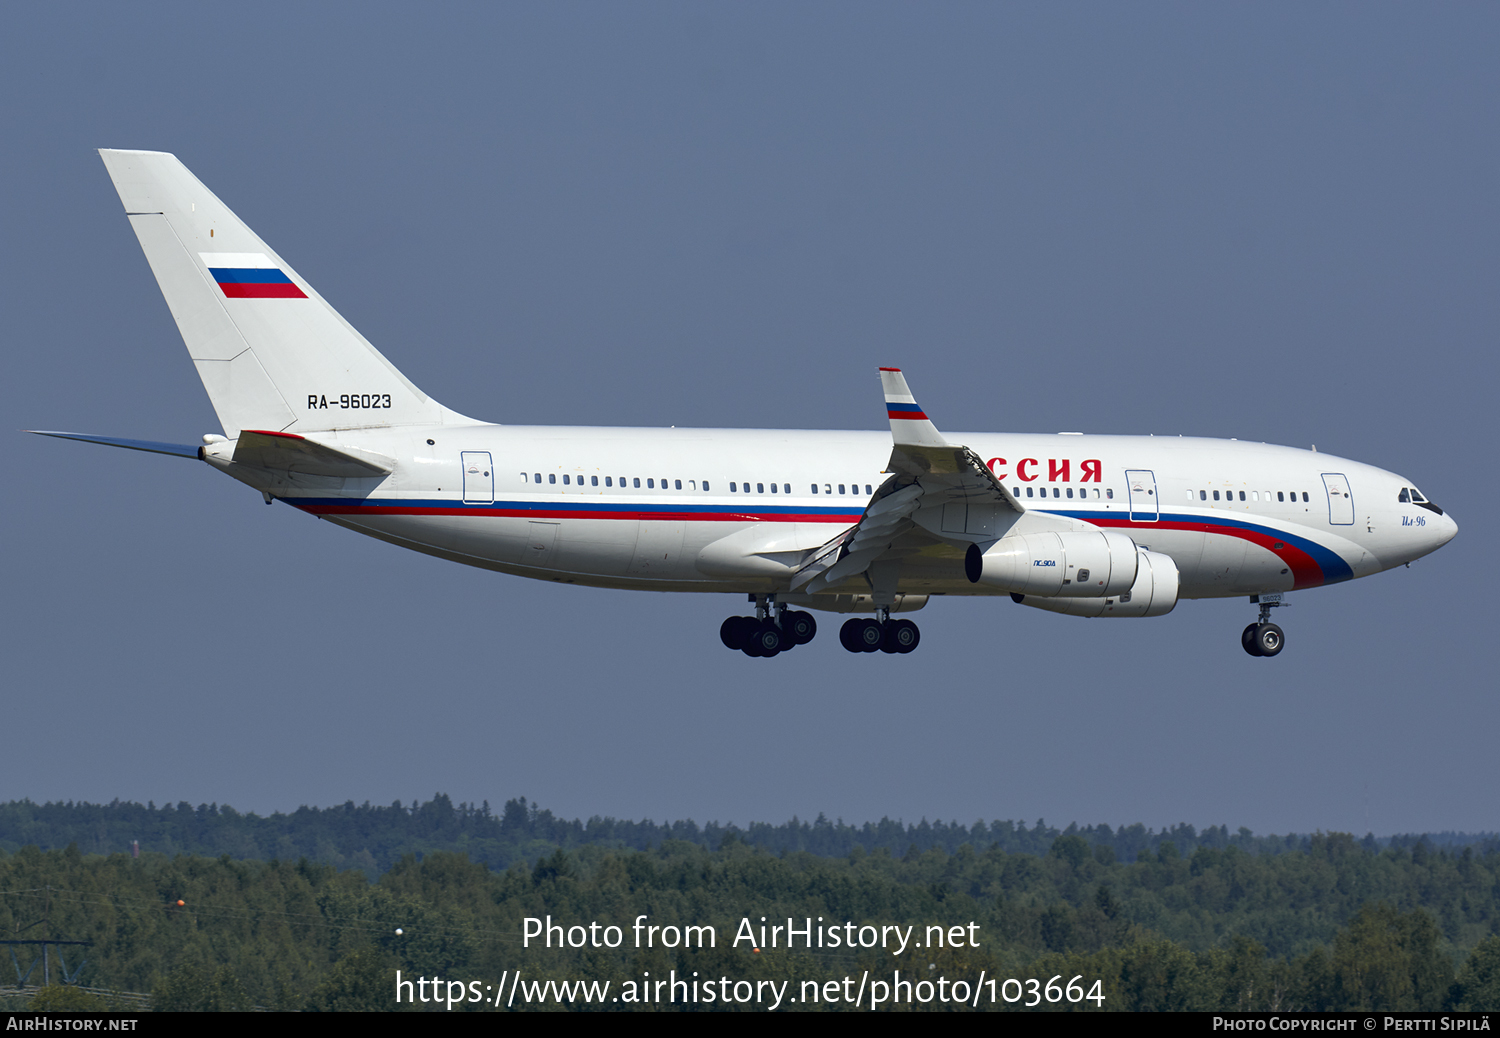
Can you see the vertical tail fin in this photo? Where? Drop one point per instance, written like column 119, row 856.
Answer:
column 272, row 354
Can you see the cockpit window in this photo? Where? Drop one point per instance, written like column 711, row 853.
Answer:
column 1414, row 496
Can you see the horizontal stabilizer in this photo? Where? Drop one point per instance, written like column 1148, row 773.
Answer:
column 278, row 450
column 181, row 450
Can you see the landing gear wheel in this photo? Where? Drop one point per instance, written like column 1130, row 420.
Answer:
column 765, row 639
column 1247, row 640
column 861, row 635
column 900, row 636
column 1268, row 639
column 799, row 627
column 733, row 632
column 749, row 644
column 848, row 637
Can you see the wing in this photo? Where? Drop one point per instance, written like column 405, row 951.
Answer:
column 938, row 492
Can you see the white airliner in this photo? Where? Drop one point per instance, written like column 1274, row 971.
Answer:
column 849, row 522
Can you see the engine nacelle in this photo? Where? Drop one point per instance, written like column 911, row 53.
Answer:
column 1154, row 593
column 1087, row 564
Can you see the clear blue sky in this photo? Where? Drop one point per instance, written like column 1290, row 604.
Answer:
column 1274, row 221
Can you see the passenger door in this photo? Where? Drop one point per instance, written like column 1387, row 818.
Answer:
column 1340, row 499
column 479, row 478
column 1141, row 485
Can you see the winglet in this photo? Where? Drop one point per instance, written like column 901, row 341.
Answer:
column 910, row 425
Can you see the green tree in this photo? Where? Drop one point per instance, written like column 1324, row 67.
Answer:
column 1158, row 976
column 195, row 989
column 1238, row 976
column 63, row 998
column 1387, row 960
column 1478, row 987
column 363, row 981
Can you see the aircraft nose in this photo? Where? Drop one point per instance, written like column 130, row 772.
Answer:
column 1446, row 530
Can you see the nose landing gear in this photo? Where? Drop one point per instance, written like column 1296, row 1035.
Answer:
column 1263, row 638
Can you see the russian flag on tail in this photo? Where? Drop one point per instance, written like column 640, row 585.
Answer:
column 909, row 423
column 249, row 275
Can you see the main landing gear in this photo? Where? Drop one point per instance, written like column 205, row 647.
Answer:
column 883, row 633
column 1264, row 638
column 773, row 629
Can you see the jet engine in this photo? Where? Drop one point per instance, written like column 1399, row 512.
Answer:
column 1153, row 593
column 1086, row 564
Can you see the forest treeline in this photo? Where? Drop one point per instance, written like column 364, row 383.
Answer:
column 375, row 838
column 1329, row 925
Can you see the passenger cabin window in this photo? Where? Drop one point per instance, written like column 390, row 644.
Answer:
column 760, row 488
column 593, row 481
column 552, row 477
column 637, row 481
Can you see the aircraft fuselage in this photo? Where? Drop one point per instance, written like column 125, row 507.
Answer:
column 643, row 508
